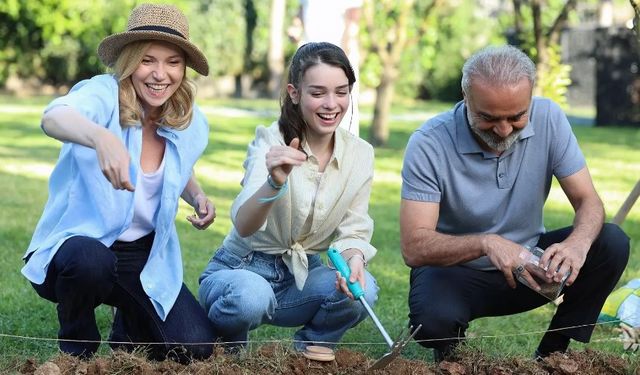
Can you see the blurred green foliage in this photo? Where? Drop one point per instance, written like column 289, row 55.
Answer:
column 462, row 28
column 553, row 77
column 54, row 41
column 218, row 28
column 554, row 84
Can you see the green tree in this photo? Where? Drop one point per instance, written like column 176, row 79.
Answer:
column 635, row 4
column 537, row 26
column 459, row 29
column 417, row 47
column 268, row 76
column 392, row 26
column 234, row 35
column 218, row 28
column 275, row 57
column 54, row 41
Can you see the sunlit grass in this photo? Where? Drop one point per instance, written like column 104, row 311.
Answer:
column 27, row 157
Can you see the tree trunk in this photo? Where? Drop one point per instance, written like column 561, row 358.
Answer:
column 541, row 45
column 275, row 56
column 388, row 44
column 542, row 40
column 250, row 20
column 517, row 22
column 553, row 35
column 636, row 9
column 379, row 132
column 238, row 91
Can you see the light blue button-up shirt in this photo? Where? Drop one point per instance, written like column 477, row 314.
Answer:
column 82, row 201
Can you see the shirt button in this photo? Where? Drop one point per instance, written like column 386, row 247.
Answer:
column 501, row 175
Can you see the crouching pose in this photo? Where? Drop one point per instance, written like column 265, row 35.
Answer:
column 474, row 183
column 107, row 234
column 306, row 188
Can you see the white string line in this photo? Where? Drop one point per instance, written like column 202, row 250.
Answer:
column 530, row 333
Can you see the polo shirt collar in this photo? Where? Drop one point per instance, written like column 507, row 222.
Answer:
column 467, row 144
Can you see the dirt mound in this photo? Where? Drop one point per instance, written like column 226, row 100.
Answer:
column 274, row 359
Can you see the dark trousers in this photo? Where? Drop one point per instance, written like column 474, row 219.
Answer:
column 445, row 299
column 85, row 274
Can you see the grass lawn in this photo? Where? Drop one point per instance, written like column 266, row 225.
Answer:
column 27, row 157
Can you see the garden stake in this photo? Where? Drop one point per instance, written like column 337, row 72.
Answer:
column 395, row 347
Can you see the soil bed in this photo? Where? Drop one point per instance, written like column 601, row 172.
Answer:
column 274, row 359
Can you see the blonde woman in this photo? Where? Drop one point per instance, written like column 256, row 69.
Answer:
column 107, row 233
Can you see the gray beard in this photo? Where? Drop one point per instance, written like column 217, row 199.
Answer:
column 491, row 139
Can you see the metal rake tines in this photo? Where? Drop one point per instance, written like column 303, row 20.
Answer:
column 394, row 350
column 404, row 338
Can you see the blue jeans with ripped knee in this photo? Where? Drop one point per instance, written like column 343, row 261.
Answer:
column 241, row 293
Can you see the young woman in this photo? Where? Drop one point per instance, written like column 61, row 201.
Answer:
column 107, row 234
column 306, row 188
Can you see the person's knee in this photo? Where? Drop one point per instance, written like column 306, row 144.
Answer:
column 246, row 298
column 87, row 264
column 616, row 242
column 256, row 301
column 93, row 275
column 613, row 236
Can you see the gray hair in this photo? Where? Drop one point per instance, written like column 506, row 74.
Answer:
column 500, row 65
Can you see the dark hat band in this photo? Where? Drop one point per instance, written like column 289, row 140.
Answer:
column 158, row 28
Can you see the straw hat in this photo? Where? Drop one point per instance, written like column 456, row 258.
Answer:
column 155, row 22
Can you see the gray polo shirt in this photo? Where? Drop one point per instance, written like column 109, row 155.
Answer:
column 480, row 192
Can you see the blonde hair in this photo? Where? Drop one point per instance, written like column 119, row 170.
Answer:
column 175, row 113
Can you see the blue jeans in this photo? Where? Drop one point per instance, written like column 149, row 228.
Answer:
column 85, row 274
column 241, row 293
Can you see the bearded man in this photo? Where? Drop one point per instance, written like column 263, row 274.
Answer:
column 475, row 181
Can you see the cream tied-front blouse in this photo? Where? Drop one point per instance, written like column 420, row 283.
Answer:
column 335, row 208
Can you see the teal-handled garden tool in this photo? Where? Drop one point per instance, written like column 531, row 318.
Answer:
column 395, row 347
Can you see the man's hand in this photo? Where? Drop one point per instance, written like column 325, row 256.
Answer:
column 510, row 258
column 563, row 257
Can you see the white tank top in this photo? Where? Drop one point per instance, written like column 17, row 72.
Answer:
column 146, row 202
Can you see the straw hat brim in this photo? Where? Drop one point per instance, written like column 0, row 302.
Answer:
column 111, row 46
